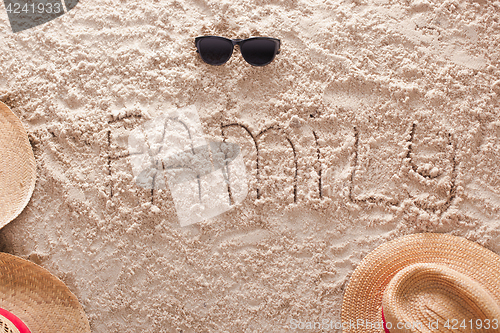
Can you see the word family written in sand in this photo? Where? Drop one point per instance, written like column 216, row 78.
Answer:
column 207, row 178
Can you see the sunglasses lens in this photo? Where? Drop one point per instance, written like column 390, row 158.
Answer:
column 215, row 50
column 259, row 52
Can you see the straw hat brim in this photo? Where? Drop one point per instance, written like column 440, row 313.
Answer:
column 363, row 296
column 17, row 166
column 42, row 301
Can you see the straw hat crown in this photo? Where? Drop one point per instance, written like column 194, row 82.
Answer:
column 426, row 293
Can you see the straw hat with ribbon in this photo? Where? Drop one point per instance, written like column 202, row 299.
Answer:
column 34, row 301
column 424, row 283
column 17, row 166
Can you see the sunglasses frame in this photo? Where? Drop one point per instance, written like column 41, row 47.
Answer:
column 239, row 42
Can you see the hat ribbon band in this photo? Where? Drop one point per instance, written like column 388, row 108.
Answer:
column 383, row 321
column 18, row 323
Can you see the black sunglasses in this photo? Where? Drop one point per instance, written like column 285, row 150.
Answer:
column 257, row 51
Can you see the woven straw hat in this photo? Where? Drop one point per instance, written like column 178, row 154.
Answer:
column 33, row 300
column 424, row 283
column 17, row 166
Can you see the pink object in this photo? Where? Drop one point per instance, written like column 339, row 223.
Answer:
column 383, row 320
column 18, row 323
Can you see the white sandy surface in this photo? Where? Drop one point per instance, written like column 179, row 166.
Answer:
column 377, row 119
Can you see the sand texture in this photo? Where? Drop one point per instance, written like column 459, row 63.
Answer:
column 378, row 119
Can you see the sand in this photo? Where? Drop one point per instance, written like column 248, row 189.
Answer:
column 377, row 119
